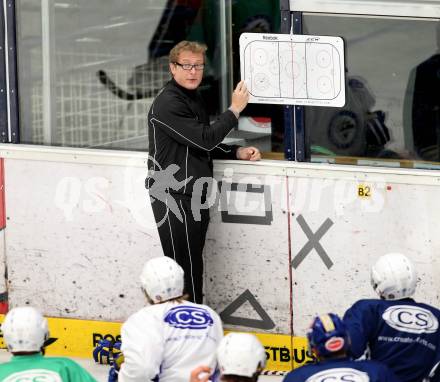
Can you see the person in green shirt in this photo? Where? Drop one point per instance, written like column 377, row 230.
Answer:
column 25, row 331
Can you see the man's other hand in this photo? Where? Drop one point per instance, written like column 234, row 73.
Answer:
column 248, row 153
column 200, row 374
column 240, row 98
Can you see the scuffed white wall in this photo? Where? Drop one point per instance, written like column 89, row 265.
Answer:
column 398, row 217
column 80, row 226
column 77, row 236
column 241, row 256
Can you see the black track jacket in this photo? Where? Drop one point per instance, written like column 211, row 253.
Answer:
column 180, row 134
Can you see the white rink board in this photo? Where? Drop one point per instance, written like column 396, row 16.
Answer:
column 80, row 226
column 244, row 256
column 293, row 69
column 396, row 218
column 76, row 236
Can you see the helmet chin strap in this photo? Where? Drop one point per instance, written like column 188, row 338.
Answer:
column 170, row 299
column 183, row 296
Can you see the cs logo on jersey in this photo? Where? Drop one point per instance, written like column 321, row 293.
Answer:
column 189, row 317
column 34, row 375
column 410, row 319
column 339, row 374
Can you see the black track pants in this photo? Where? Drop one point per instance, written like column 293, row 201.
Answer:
column 183, row 240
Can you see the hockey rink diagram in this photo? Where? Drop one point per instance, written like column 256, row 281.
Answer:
column 293, row 69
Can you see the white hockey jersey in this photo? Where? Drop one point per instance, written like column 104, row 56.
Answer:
column 167, row 341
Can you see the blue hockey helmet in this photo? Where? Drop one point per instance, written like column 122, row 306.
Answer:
column 328, row 335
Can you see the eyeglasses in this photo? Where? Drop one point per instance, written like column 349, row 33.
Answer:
column 190, row 66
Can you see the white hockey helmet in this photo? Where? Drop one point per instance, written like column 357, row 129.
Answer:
column 393, row 277
column 24, row 330
column 240, row 354
column 162, row 279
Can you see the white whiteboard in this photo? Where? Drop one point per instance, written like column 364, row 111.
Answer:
column 293, row 69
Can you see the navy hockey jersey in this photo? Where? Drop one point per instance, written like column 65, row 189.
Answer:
column 342, row 370
column 403, row 334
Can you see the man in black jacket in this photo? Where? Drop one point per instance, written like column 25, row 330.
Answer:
column 182, row 144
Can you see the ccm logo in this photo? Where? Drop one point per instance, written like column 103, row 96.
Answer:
column 410, row 319
column 340, row 374
column 334, row 344
column 189, row 317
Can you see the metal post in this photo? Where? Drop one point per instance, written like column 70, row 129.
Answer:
column 49, row 68
column 4, row 126
column 294, row 134
column 289, row 137
column 225, row 10
column 11, row 71
column 299, row 131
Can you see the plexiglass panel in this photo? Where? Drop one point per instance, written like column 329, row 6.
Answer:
column 89, row 69
column 392, row 108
